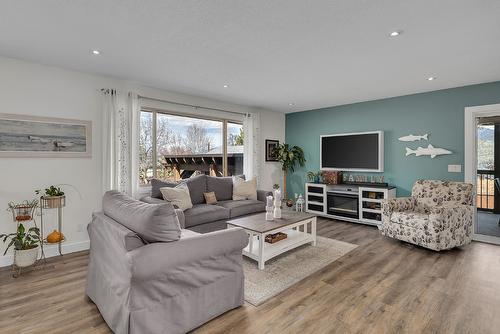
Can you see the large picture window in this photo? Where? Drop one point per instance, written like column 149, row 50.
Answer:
column 173, row 147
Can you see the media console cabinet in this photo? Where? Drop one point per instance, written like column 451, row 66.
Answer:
column 354, row 203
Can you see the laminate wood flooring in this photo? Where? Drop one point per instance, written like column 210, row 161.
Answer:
column 383, row 286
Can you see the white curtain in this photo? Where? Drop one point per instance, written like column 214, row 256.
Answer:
column 119, row 121
column 251, row 146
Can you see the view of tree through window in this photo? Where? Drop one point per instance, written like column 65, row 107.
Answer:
column 184, row 146
column 486, row 147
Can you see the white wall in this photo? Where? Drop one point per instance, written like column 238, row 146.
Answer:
column 33, row 89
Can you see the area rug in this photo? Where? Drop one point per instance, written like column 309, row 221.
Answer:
column 289, row 268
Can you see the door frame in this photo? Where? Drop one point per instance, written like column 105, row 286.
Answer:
column 470, row 159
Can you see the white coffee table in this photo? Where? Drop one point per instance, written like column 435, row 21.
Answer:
column 300, row 229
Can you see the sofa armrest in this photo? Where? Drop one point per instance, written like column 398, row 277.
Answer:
column 164, row 259
column 152, row 200
column 262, row 194
column 457, row 217
column 399, row 204
column 395, row 205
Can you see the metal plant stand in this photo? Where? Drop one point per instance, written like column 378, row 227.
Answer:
column 53, row 202
column 25, row 213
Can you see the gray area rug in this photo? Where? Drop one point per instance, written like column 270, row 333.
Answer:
column 289, row 268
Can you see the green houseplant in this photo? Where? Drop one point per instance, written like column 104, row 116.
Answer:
column 52, row 197
column 289, row 157
column 25, row 245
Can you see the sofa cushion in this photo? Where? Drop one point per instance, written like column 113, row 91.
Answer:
column 243, row 207
column 157, row 184
column 152, row 222
column 411, row 219
column 204, row 213
column 221, row 186
column 197, row 186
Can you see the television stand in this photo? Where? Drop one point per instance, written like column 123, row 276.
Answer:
column 349, row 202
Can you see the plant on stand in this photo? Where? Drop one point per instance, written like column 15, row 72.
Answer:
column 53, row 197
column 25, row 245
column 289, row 157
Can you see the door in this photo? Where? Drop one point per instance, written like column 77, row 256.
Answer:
column 482, row 167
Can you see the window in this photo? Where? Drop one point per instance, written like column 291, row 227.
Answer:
column 173, row 147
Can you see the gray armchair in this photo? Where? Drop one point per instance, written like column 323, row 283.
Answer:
column 437, row 216
column 161, row 287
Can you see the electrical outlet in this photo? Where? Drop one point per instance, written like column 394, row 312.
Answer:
column 80, row 227
column 455, row 168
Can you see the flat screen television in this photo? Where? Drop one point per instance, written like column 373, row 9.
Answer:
column 360, row 152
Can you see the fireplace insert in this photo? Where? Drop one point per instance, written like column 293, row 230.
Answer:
column 343, row 203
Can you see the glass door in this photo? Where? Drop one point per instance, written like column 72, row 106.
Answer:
column 488, row 177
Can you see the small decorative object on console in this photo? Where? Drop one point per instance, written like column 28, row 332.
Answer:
column 331, row 177
column 272, row 238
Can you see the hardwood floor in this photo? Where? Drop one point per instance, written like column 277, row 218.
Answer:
column 383, row 286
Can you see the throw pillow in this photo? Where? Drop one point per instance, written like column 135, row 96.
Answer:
column 210, row 198
column 244, row 189
column 178, row 196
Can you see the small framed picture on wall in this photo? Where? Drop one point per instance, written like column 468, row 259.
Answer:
column 271, row 146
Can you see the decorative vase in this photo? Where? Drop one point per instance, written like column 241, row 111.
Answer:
column 26, row 257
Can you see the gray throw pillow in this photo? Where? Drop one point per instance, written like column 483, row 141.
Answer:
column 152, row 222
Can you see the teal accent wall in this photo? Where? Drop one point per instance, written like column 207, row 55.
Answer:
column 438, row 113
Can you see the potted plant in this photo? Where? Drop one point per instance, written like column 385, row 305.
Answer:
column 313, row 176
column 289, row 157
column 53, row 197
column 276, row 186
column 25, row 245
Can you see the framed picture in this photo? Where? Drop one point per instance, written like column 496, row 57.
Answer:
column 271, row 145
column 23, row 136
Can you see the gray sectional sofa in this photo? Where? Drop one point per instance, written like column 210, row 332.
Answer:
column 147, row 275
column 202, row 217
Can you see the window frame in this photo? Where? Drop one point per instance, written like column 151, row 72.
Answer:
column 154, row 113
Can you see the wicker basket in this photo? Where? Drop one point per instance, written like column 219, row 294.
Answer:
column 52, row 202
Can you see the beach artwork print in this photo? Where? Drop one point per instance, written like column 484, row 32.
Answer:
column 32, row 136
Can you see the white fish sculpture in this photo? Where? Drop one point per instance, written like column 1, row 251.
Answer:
column 429, row 150
column 413, row 137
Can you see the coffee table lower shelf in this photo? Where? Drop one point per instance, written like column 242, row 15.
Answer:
column 298, row 234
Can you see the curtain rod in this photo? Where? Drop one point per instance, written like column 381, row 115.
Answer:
column 190, row 105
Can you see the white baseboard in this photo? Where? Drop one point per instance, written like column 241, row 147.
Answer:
column 51, row 250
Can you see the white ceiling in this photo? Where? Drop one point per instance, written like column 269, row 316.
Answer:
column 312, row 53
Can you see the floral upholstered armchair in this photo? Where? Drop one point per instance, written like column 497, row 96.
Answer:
column 437, row 216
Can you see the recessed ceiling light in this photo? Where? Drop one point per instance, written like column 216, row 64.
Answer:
column 226, row 86
column 395, row 33
column 291, row 104
column 96, row 52
column 431, row 78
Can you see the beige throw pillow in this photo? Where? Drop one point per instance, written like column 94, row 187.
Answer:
column 210, row 198
column 178, row 196
column 244, row 189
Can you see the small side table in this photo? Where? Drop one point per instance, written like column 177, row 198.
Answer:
column 53, row 202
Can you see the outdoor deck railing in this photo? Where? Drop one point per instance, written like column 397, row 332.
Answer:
column 485, row 190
